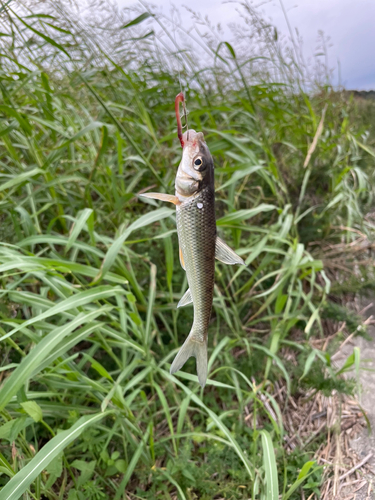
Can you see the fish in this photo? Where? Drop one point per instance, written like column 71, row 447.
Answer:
column 199, row 243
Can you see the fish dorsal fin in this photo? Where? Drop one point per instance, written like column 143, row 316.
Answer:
column 182, row 262
column 162, row 197
column 225, row 254
column 186, row 299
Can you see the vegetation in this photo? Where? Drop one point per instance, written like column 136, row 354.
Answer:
column 90, row 276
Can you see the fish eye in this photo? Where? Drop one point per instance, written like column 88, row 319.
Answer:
column 198, row 163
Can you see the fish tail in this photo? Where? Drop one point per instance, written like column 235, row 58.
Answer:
column 192, row 348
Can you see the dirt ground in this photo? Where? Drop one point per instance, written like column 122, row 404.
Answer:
column 364, row 443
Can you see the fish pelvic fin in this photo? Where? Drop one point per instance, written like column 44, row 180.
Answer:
column 186, row 299
column 162, row 197
column 192, row 348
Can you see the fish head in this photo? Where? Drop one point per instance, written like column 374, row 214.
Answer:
column 196, row 170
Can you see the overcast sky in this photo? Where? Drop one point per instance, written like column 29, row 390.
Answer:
column 350, row 24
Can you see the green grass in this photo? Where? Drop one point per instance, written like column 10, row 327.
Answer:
column 90, row 276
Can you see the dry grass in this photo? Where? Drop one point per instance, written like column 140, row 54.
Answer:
column 335, row 421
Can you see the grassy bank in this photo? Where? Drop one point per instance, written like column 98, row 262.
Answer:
column 90, row 275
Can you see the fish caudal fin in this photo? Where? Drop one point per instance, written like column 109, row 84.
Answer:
column 192, row 348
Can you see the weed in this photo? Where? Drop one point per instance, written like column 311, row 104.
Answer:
column 90, row 276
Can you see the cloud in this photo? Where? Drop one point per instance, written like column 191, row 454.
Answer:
column 349, row 24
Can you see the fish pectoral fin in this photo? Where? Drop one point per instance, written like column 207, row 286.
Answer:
column 162, row 197
column 182, row 262
column 225, row 254
column 186, row 299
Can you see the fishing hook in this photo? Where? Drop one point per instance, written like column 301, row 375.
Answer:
column 180, row 98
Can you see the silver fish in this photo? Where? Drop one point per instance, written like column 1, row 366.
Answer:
column 199, row 244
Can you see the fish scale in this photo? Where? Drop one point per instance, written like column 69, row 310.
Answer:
column 196, row 228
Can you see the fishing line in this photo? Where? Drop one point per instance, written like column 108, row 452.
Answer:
column 179, row 78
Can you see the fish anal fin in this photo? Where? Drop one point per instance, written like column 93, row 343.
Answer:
column 186, row 299
column 182, row 262
column 192, row 348
column 162, row 197
column 225, row 254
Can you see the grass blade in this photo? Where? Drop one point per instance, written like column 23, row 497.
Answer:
column 36, row 357
column 77, row 227
column 77, row 300
column 132, row 464
column 215, row 419
column 269, row 461
column 144, row 220
column 240, row 215
column 22, row 480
